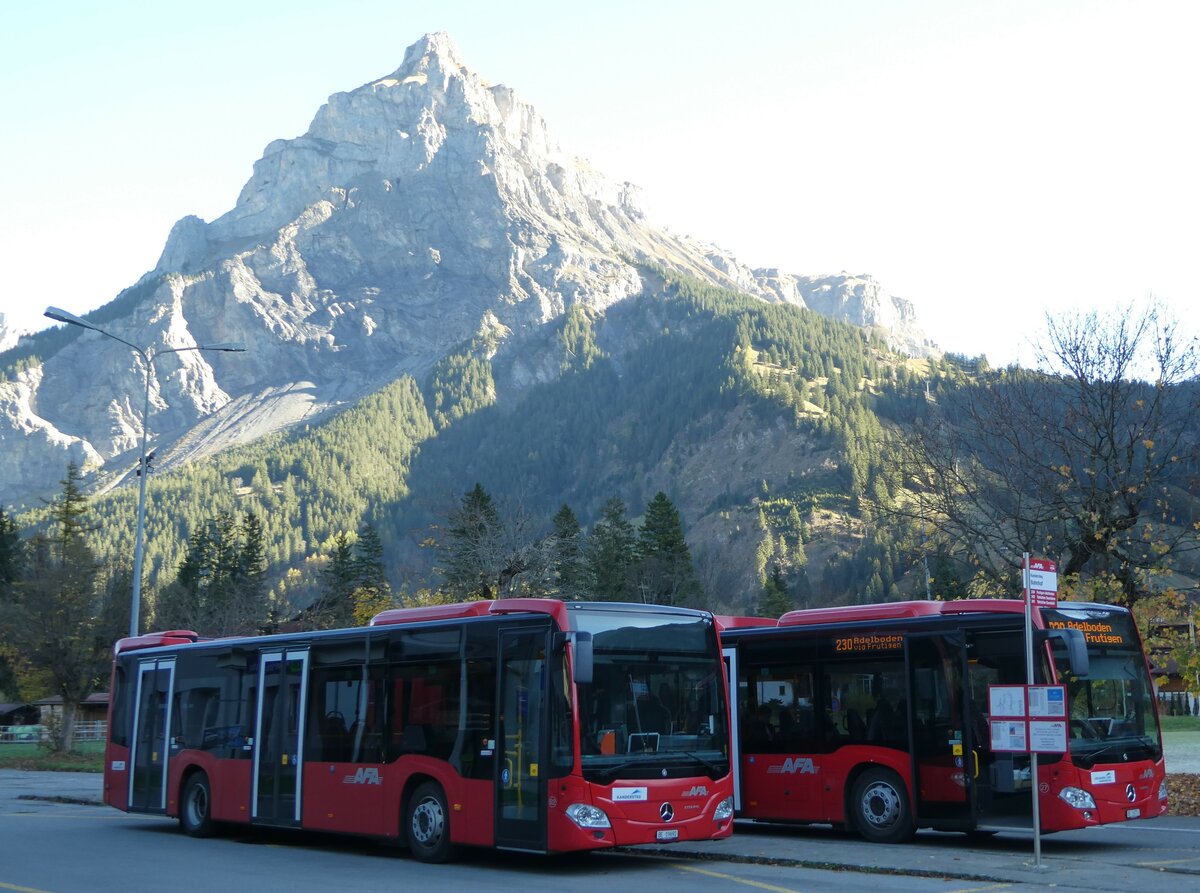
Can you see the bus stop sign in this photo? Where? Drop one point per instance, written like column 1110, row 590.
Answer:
column 1043, row 583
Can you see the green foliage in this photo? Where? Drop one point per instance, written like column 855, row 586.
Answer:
column 220, row 589
column 775, row 600
column 471, row 548
column 570, row 565
column 60, row 616
column 578, row 340
column 611, row 555
column 303, row 486
column 665, row 575
column 460, row 384
column 689, row 356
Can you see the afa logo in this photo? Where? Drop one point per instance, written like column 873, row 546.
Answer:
column 696, row 791
column 363, row 776
column 794, row 766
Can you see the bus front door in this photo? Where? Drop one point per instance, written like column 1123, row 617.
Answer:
column 278, row 737
column 151, row 737
column 942, row 760
column 522, row 737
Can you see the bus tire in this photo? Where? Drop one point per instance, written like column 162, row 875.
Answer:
column 427, row 824
column 879, row 807
column 195, row 807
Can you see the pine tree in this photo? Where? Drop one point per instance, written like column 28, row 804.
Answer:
column 11, row 554
column 570, row 566
column 775, row 600
column 335, row 606
column 472, row 541
column 369, row 571
column 252, row 566
column 372, row 592
column 611, row 554
column 664, row 562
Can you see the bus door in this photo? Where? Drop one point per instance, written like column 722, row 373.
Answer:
column 278, row 736
column 943, row 768
column 735, row 754
column 151, row 736
column 522, row 737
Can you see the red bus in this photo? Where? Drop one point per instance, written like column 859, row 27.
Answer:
column 520, row 724
column 875, row 717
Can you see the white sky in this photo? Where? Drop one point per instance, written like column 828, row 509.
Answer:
column 988, row 161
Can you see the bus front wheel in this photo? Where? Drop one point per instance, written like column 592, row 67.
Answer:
column 195, row 807
column 428, row 824
column 879, row 808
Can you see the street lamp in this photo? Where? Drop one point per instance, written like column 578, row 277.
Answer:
column 148, row 359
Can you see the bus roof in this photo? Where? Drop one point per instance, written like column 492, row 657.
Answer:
column 901, row 610
column 156, row 640
column 550, row 606
column 887, row 611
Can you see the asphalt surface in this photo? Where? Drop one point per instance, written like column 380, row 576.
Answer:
column 1134, row 856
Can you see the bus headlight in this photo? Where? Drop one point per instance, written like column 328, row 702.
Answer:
column 1078, row 798
column 586, row 816
column 1162, row 790
column 724, row 810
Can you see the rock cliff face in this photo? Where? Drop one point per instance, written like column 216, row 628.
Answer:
column 8, row 334
column 418, row 210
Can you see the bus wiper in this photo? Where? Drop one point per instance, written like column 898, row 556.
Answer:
column 1095, row 755
column 611, row 772
column 703, row 761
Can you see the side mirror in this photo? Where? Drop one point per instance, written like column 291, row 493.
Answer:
column 583, row 658
column 1075, row 643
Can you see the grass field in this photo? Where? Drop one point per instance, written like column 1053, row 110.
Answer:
column 1181, row 723
column 89, row 758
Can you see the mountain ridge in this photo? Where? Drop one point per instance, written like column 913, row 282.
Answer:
column 418, row 212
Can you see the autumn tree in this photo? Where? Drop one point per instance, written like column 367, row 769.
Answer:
column 1082, row 460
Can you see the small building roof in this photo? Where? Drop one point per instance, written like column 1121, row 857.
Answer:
column 96, row 697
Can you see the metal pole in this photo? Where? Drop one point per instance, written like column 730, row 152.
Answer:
column 135, row 605
column 1029, row 680
column 147, row 358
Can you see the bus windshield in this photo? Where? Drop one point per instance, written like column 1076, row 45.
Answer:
column 1112, row 715
column 656, row 705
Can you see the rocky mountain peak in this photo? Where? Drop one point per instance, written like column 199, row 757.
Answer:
column 433, row 52
column 416, row 211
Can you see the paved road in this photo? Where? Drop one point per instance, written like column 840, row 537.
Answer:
column 1135, row 856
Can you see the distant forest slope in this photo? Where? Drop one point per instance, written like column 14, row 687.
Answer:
column 762, row 422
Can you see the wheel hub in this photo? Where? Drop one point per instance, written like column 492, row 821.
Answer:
column 881, row 805
column 427, row 822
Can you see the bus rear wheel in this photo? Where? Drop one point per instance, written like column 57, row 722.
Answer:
column 879, row 808
column 428, row 824
column 195, row 807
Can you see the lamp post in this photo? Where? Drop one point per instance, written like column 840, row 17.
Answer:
column 147, row 357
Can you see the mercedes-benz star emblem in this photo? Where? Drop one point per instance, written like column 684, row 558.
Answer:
column 1130, row 793
column 667, row 812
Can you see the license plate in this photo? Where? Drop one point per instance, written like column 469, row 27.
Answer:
column 669, row 834
column 1133, row 813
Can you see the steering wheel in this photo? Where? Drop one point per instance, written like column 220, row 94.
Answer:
column 1086, row 729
